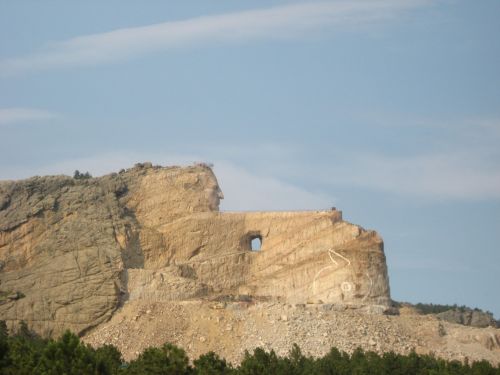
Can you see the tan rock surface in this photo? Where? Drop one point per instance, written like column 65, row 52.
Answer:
column 231, row 328
column 57, row 250
column 76, row 249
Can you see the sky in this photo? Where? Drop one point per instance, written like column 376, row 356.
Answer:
column 387, row 109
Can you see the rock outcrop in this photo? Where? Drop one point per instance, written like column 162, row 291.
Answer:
column 74, row 250
column 468, row 317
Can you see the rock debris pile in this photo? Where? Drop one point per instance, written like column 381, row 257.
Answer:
column 231, row 328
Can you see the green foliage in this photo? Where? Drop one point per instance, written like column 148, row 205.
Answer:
column 108, row 359
column 24, row 332
column 81, row 176
column 4, row 332
column 4, row 345
column 261, row 362
column 297, row 363
column 430, row 308
column 211, row 364
column 25, row 349
column 26, row 353
column 9, row 295
column 3, row 295
column 66, row 356
column 168, row 359
column 335, row 362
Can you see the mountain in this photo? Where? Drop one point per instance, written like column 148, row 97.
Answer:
column 144, row 255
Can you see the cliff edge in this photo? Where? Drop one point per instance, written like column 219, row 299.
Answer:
column 72, row 251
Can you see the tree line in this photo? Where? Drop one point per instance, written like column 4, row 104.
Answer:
column 24, row 352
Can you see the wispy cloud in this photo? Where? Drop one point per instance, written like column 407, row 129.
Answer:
column 18, row 115
column 462, row 163
column 276, row 22
column 446, row 159
column 464, row 166
column 245, row 190
column 457, row 175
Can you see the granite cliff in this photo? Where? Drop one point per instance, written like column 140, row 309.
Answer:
column 72, row 251
column 144, row 256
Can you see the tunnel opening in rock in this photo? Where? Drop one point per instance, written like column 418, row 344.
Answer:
column 255, row 243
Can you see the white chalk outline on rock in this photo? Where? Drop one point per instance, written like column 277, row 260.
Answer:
column 346, row 286
column 335, row 264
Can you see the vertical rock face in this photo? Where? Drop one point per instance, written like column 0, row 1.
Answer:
column 72, row 251
column 58, row 253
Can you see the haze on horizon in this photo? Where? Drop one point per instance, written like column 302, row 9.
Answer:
column 387, row 109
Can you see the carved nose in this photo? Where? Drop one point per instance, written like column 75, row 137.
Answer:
column 220, row 195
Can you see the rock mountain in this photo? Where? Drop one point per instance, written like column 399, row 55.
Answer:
column 145, row 256
column 73, row 250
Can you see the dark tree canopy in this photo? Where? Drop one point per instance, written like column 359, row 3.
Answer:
column 81, row 176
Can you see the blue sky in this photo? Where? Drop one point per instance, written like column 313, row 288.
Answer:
column 387, row 109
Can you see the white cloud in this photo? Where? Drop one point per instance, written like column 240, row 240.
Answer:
column 465, row 166
column 463, row 163
column 17, row 115
column 458, row 175
column 244, row 190
column 276, row 22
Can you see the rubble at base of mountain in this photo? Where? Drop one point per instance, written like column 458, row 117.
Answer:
column 230, row 328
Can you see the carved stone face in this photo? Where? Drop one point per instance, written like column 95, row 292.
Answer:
column 213, row 194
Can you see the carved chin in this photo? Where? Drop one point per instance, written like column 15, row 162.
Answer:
column 213, row 203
